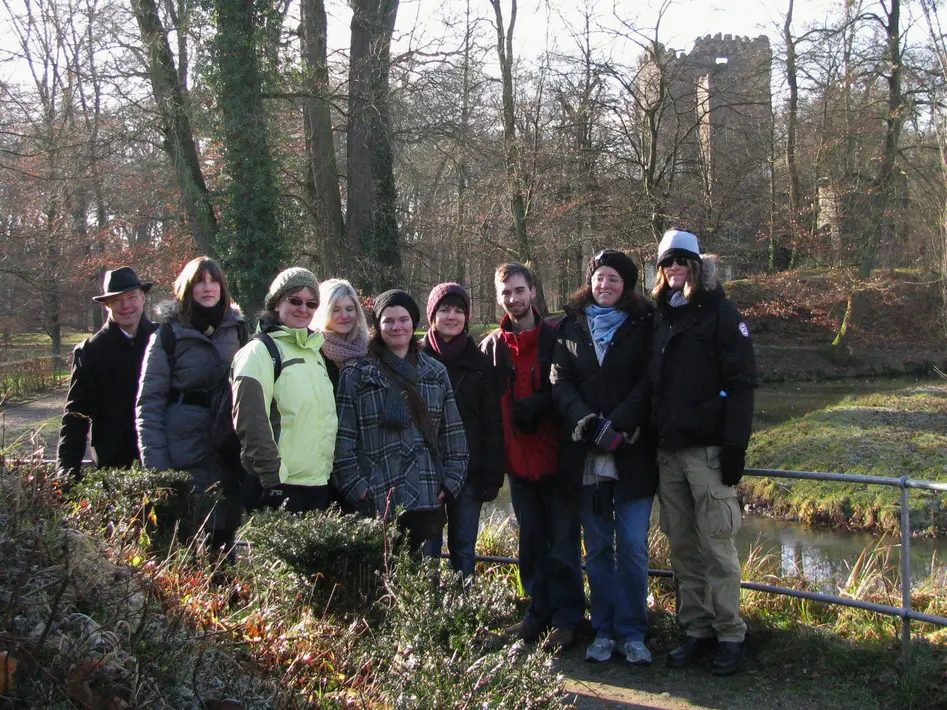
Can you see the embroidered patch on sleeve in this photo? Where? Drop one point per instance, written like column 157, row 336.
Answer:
column 744, row 330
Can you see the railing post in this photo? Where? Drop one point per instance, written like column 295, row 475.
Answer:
column 905, row 571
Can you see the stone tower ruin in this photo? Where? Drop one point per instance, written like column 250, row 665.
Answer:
column 718, row 122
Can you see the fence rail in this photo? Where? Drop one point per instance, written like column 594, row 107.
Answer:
column 904, row 612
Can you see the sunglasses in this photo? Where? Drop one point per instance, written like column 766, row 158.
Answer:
column 297, row 302
column 679, row 260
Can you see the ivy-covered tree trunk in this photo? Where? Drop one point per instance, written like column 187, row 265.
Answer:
column 250, row 243
column 374, row 250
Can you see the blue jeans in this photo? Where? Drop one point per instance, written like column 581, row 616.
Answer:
column 547, row 511
column 618, row 584
column 463, row 523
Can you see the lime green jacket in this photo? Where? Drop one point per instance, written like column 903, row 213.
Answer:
column 287, row 428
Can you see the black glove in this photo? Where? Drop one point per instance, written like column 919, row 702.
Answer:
column 489, row 491
column 72, row 475
column 365, row 507
column 585, row 428
column 732, row 463
column 255, row 496
column 527, row 412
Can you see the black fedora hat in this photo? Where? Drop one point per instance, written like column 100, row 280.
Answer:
column 119, row 281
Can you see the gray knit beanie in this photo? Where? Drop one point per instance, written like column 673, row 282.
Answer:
column 676, row 243
column 290, row 280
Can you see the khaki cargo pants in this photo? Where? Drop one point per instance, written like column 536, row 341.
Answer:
column 700, row 517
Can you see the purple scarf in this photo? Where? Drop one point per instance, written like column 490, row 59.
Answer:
column 447, row 352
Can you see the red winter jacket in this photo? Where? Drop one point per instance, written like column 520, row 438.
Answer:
column 523, row 361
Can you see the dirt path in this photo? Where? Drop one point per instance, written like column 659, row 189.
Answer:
column 33, row 425
column 616, row 685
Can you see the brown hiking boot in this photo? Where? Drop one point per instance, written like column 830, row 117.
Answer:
column 559, row 638
column 528, row 630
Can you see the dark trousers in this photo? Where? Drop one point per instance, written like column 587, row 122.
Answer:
column 547, row 511
column 463, row 522
column 416, row 527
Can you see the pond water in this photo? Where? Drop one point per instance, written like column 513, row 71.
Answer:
column 824, row 555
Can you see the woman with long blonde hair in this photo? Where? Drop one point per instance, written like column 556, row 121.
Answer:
column 341, row 320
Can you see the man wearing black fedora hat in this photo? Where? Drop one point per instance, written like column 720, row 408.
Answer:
column 104, row 384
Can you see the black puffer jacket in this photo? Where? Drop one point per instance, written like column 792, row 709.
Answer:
column 703, row 370
column 477, row 391
column 616, row 389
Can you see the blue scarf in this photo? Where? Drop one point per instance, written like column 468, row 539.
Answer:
column 603, row 322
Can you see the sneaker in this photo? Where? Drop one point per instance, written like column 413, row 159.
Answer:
column 559, row 638
column 600, row 650
column 636, row 653
column 528, row 630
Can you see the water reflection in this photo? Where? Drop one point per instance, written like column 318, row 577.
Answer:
column 825, row 556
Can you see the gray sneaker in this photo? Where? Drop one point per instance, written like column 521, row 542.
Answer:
column 600, row 650
column 637, row 653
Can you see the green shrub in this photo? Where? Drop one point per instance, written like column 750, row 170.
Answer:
column 440, row 649
column 140, row 505
column 25, row 377
column 339, row 554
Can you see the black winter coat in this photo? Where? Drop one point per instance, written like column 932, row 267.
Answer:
column 477, row 391
column 102, row 392
column 616, row 389
column 702, row 373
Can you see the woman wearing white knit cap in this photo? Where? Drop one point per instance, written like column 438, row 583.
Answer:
column 702, row 373
column 283, row 404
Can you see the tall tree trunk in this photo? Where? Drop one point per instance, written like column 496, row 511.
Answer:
column 371, row 217
column 795, row 197
column 176, row 127
column 325, row 197
column 250, row 244
column 514, row 175
column 881, row 225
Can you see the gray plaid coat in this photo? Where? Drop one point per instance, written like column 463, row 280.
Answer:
column 382, row 460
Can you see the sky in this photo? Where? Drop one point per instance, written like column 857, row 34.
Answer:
column 682, row 21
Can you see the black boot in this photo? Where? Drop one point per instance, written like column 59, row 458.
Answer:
column 729, row 658
column 692, row 647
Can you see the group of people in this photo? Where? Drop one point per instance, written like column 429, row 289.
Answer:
column 589, row 417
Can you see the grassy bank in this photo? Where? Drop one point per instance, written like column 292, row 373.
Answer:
column 105, row 607
column 893, row 434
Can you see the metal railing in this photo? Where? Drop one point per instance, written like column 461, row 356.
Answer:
column 904, row 612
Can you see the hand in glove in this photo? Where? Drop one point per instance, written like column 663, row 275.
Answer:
column 489, row 492
column 527, row 411
column 365, row 507
column 71, row 475
column 732, row 463
column 607, row 438
column 636, row 434
column 586, row 427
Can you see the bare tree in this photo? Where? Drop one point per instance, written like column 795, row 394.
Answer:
column 168, row 84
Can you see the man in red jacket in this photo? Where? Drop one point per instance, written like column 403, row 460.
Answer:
column 546, row 503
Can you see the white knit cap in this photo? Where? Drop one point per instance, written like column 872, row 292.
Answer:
column 678, row 243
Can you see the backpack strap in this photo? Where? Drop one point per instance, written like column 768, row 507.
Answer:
column 169, row 341
column 243, row 336
column 273, row 350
